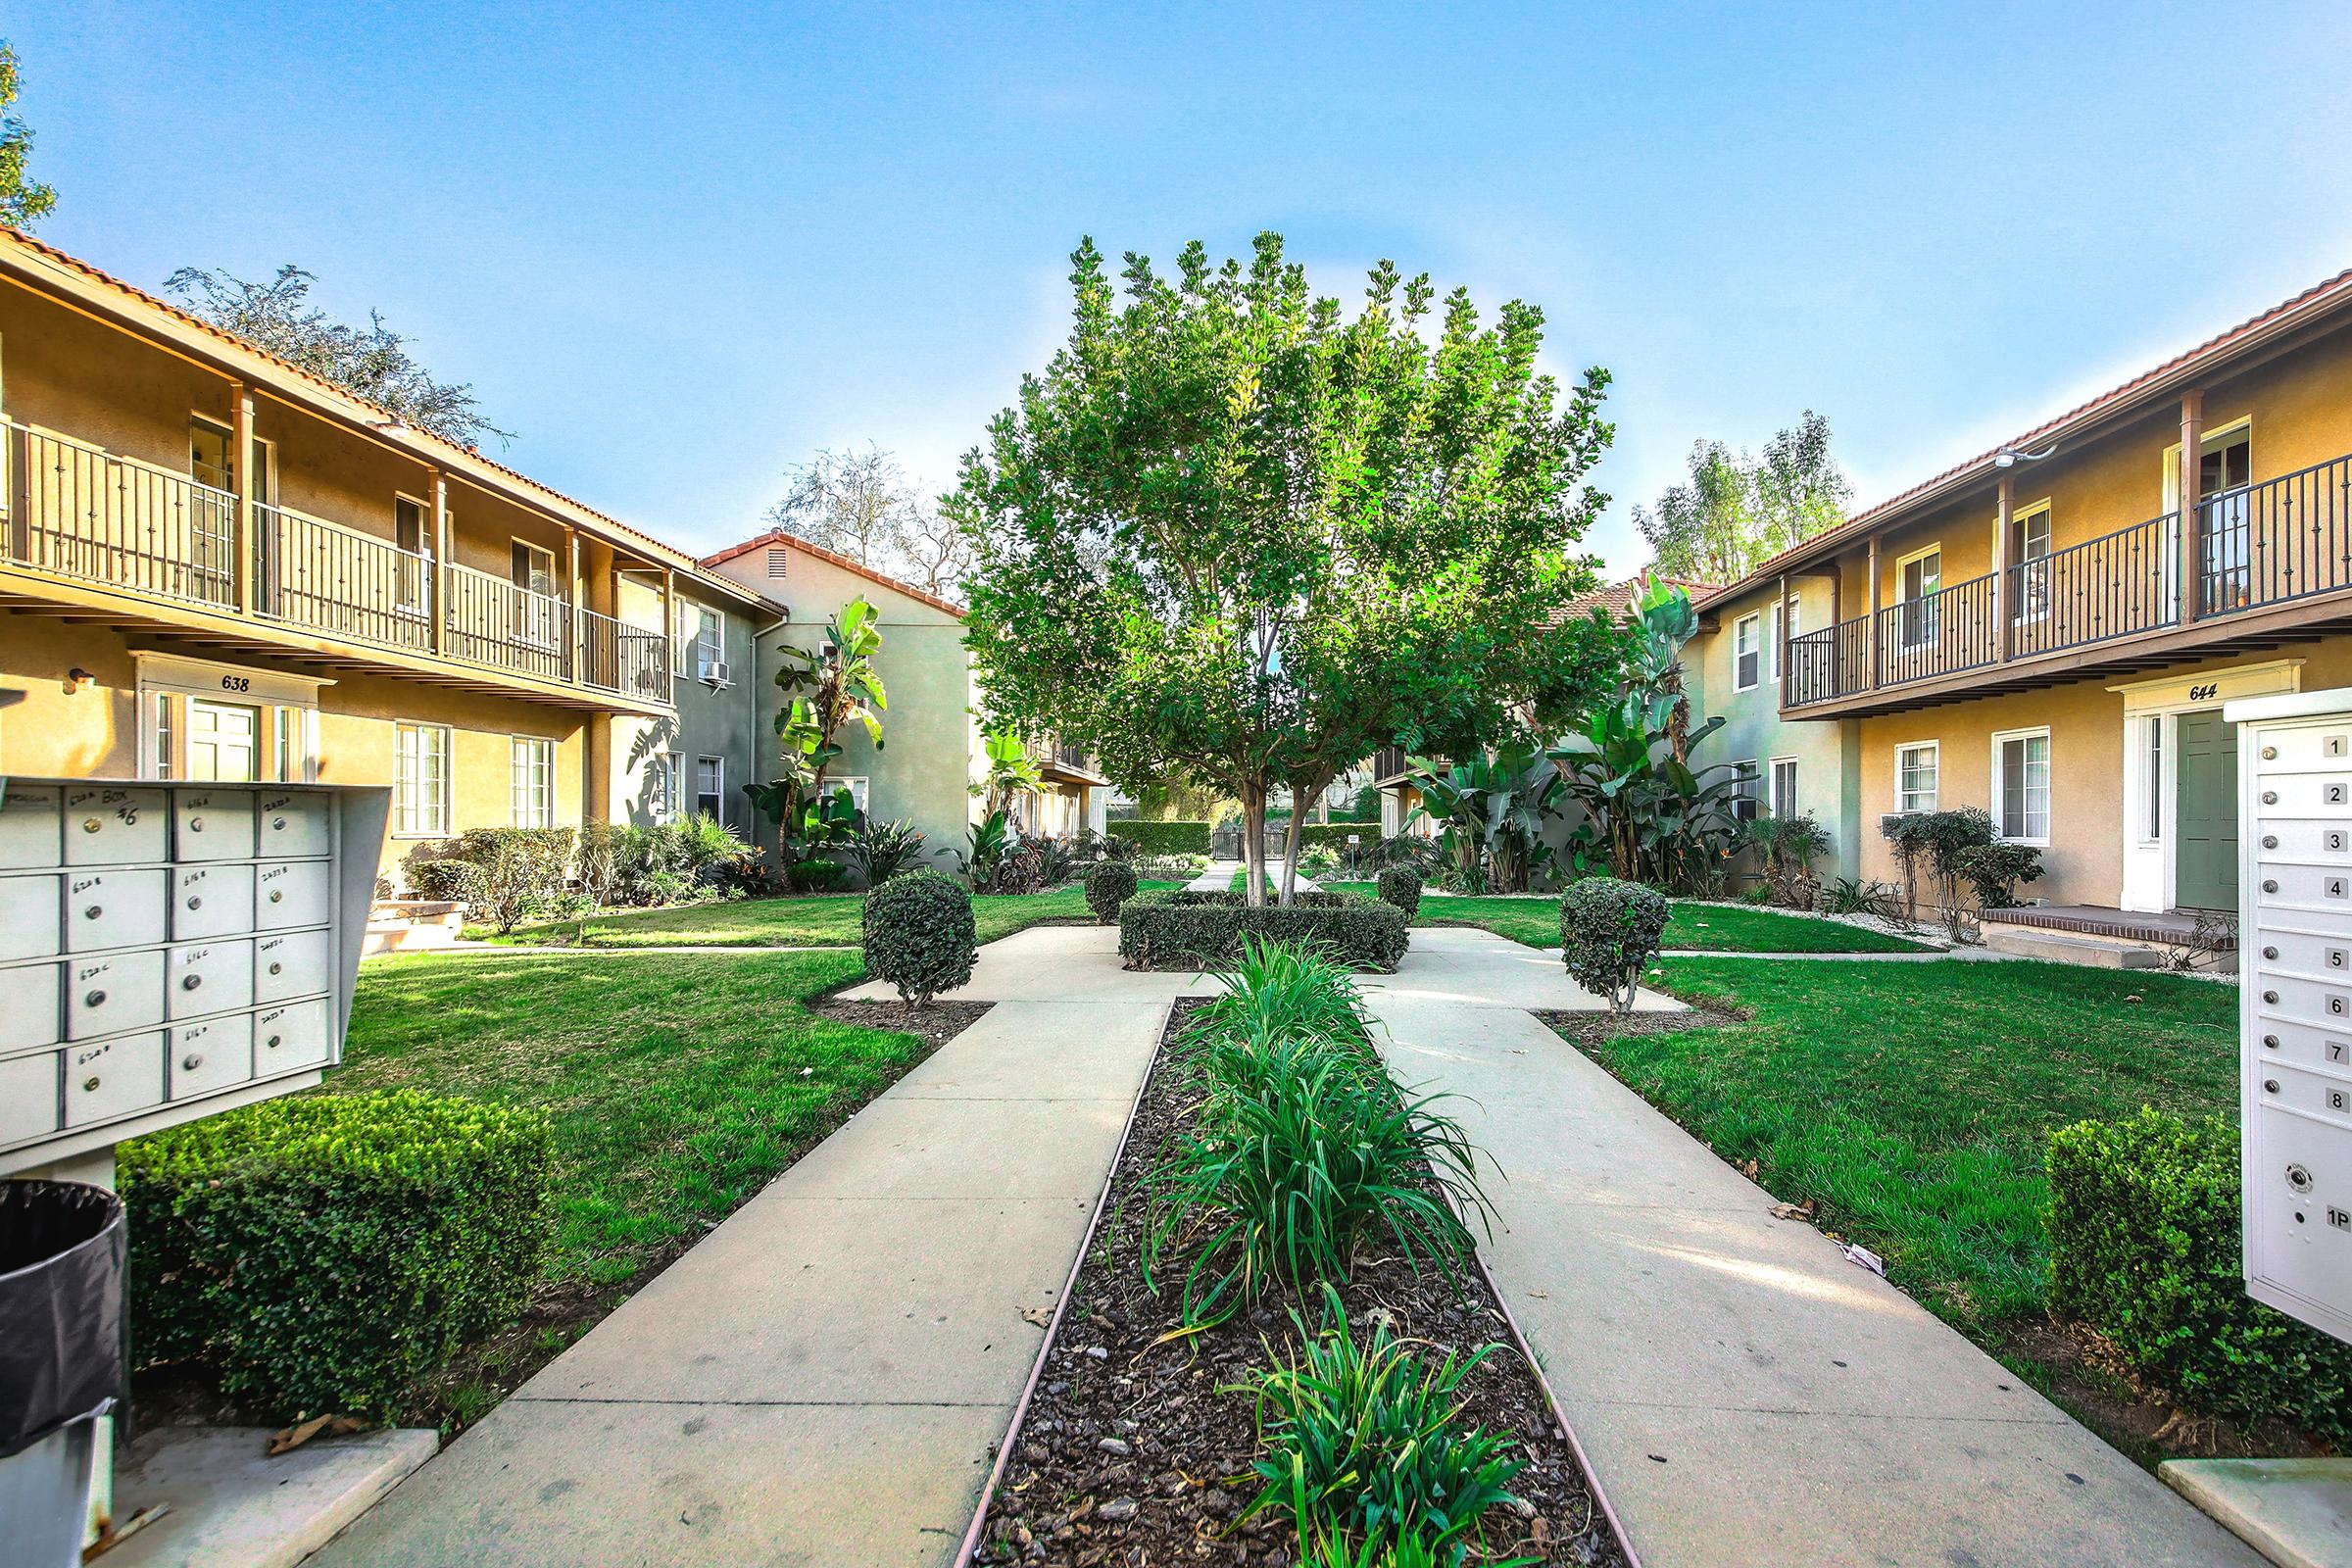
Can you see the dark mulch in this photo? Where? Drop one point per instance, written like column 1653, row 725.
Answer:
column 1593, row 1028
column 938, row 1023
column 1132, row 1453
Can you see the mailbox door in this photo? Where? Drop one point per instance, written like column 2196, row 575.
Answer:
column 110, row 992
column 210, row 1055
column 296, row 822
column 293, row 963
column 32, row 826
column 114, row 910
column 290, row 1037
column 29, row 907
column 203, row 977
column 292, row 893
column 212, row 824
column 115, row 824
column 211, row 901
column 28, row 1098
column 36, row 999
column 114, row 1078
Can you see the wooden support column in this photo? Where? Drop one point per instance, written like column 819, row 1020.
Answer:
column 2192, row 515
column 244, row 532
column 1873, row 613
column 669, row 623
column 1780, row 636
column 572, row 628
column 2004, row 512
column 438, row 484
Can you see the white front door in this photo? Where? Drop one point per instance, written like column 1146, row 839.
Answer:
column 225, row 742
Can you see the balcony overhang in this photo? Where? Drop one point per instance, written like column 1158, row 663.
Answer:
column 75, row 601
column 2278, row 625
column 1056, row 773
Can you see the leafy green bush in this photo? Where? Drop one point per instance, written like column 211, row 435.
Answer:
column 1993, row 871
column 1163, row 838
column 1400, row 885
column 443, row 881
column 325, row 1252
column 816, row 876
column 515, row 871
column 920, row 936
column 1610, row 931
column 1108, row 885
column 1333, row 835
column 1318, row 862
column 1365, row 1442
column 1164, row 928
column 2145, row 1247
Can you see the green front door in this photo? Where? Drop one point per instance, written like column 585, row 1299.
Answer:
column 2205, row 873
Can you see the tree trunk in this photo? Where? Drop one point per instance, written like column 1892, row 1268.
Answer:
column 1291, row 837
column 1253, row 843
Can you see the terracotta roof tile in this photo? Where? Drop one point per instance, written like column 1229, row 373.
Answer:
column 784, row 536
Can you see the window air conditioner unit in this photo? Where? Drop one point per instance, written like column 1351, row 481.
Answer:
column 714, row 673
column 1885, row 817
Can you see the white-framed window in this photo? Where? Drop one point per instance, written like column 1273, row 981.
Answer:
column 291, row 740
column 1916, row 775
column 1781, row 799
column 1916, row 578
column 1748, row 798
column 1748, row 636
column 711, row 787
column 1776, row 638
column 531, row 782
column 2020, row 785
column 2151, row 774
column 698, row 637
column 667, row 771
column 420, row 781
column 159, row 762
column 855, row 783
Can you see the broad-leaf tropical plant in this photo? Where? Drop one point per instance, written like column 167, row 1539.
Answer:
column 831, row 686
column 1495, row 809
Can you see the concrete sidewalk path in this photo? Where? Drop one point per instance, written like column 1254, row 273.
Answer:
column 824, row 1377
column 1748, row 1398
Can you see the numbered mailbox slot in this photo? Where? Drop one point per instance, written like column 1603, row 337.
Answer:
column 2298, row 1205
column 114, row 991
column 2306, row 839
column 30, row 907
column 110, row 1079
column 33, row 1011
column 295, row 822
column 2305, row 750
column 208, row 977
column 32, row 825
column 210, row 825
column 2326, row 889
column 288, row 893
column 29, row 1103
column 208, row 1057
column 112, row 825
column 296, row 963
column 114, row 908
column 209, row 900
column 290, row 1037
column 2318, row 955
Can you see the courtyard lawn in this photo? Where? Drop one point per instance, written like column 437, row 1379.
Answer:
column 679, row 1085
column 1708, row 927
column 1911, row 1103
column 824, row 920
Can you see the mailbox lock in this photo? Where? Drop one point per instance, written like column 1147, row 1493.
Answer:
column 2269, row 754
column 2270, row 797
column 89, row 1085
column 195, row 900
column 2270, row 995
column 2299, row 1177
column 2269, row 841
column 272, row 1041
column 191, row 982
column 195, row 824
column 96, row 998
column 190, row 1063
column 92, row 912
column 2270, row 886
column 277, row 969
column 2270, row 1086
column 2269, row 953
column 2270, row 1040
column 277, row 894
column 277, row 823
column 90, row 825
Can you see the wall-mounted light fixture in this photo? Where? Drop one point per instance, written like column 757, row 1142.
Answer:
column 2011, row 457
column 77, row 679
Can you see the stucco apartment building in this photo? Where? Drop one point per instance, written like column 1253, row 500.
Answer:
column 2048, row 632
column 214, row 565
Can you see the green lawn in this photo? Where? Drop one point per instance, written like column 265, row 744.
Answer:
column 1711, row 927
column 822, row 920
column 1912, row 1101
column 679, row 1085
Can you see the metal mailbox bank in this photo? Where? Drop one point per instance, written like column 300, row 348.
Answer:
column 2295, row 1003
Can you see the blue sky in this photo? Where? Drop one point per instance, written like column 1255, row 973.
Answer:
column 678, row 247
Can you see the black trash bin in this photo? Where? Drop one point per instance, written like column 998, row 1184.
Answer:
column 63, row 1356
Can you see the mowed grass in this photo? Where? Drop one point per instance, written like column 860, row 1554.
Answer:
column 1701, row 927
column 1912, row 1102
column 819, row 920
column 678, row 1085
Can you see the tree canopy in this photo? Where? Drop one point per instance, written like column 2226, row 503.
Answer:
column 1737, row 510
column 371, row 361
column 860, row 503
column 23, row 200
column 1235, row 529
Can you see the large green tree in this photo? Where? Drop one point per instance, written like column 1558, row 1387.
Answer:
column 1737, row 511
column 1236, row 529
column 23, row 200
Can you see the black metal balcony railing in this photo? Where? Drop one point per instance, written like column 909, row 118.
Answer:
column 2281, row 540
column 2112, row 586
column 76, row 510
column 1388, row 763
column 1938, row 634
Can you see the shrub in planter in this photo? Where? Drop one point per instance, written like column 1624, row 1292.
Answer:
column 1995, row 871
column 1610, row 931
column 919, row 935
column 1400, row 885
column 1163, row 928
column 327, row 1253
column 2144, row 1247
column 1108, row 885
column 1163, row 838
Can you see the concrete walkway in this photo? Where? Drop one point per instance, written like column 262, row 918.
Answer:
column 1218, row 878
column 824, row 1377
column 1748, row 1398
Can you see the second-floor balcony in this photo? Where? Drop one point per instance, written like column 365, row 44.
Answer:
column 2261, row 560
column 83, row 515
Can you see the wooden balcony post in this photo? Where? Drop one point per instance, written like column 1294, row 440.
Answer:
column 1780, row 652
column 244, row 533
column 2004, row 514
column 439, row 486
column 670, row 626
column 573, row 631
column 2192, row 515
column 1873, row 613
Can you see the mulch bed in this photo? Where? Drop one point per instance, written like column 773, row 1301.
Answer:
column 1131, row 1454
column 1593, row 1028
column 938, row 1023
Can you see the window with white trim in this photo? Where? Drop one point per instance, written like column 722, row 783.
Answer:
column 668, row 777
column 1776, row 638
column 854, row 784
column 1746, row 652
column 1916, row 770
column 531, row 784
column 2021, row 786
column 1782, row 798
column 711, row 787
column 1746, row 798
column 420, row 780
column 2151, row 790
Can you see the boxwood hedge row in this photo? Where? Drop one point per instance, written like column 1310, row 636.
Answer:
column 1176, row 928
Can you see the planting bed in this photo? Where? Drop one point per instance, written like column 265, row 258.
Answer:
column 1133, row 1450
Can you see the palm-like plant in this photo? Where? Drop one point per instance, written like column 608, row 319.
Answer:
column 830, row 686
column 1495, row 809
column 1649, row 817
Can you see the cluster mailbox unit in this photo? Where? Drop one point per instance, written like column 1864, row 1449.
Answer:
column 167, row 951
column 2294, row 762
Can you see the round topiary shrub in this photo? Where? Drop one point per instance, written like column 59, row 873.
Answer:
column 1400, row 885
column 919, row 935
column 1108, row 885
column 1610, row 931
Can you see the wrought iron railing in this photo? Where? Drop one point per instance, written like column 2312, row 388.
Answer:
column 2281, row 540
column 616, row 657
column 1389, row 761
column 1938, row 634
column 1828, row 664
column 492, row 622
column 81, row 511
column 321, row 575
column 2112, row 586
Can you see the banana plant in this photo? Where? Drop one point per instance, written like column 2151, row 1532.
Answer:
column 1495, row 809
column 1010, row 770
column 829, row 686
column 1649, row 816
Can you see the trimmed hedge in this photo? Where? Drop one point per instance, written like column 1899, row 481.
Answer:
column 920, row 936
column 1176, row 928
column 2145, row 1247
column 328, row 1252
column 1334, row 835
column 1610, row 931
column 1400, row 885
column 1161, row 838
column 1109, row 884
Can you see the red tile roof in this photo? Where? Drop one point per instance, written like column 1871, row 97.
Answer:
column 784, row 536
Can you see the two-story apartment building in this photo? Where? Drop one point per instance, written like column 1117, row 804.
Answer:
column 215, row 565
column 2049, row 630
